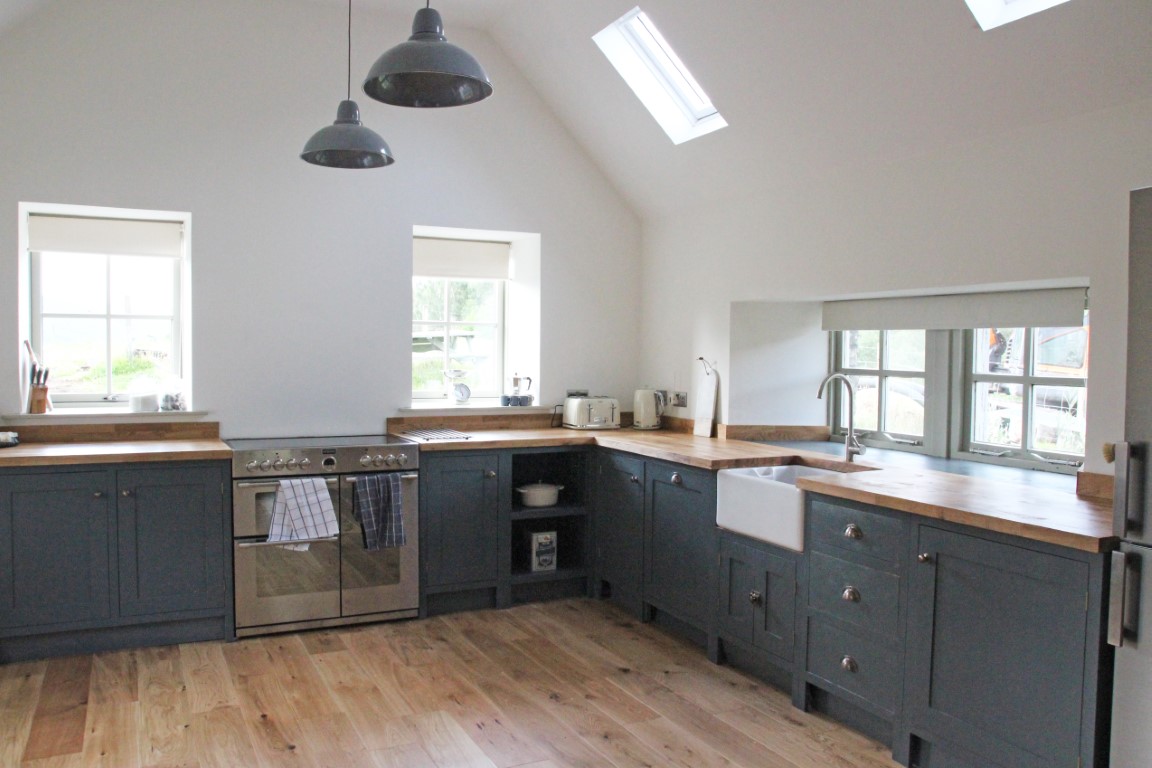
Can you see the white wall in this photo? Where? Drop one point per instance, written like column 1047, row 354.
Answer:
column 301, row 275
column 1049, row 202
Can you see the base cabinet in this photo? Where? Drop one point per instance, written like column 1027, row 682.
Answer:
column 756, row 613
column 619, row 530
column 460, row 498
column 106, row 557
column 1003, row 655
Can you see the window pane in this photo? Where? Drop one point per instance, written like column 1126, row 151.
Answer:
column 428, row 299
column 999, row 350
column 73, row 284
column 1061, row 352
column 867, row 404
column 142, row 285
column 142, row 354
column 428, row 358
column 904, row 405
column 1058, row 419
column 74, row 350
column 997, row 413
column 905, row 350
column 475, row 301
column 474, row 349
column 862, row 349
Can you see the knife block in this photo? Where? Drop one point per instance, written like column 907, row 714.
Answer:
column 38, row 399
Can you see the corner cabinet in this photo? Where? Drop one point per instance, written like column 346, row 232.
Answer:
column 100, row 557
column 619, row 530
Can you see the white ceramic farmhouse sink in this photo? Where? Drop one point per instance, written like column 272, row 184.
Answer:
column 764, row 502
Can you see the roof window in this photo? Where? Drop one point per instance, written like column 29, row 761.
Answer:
column 658, row 77
column 993, row 13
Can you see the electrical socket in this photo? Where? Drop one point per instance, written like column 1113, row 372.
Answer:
column 679, row 399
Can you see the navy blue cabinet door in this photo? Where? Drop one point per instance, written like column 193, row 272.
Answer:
column 680, row 531
column 54, row 548
column 996, row 650
column 460, row 499
column 619, row 509
column 757, row 596
column 170, row 539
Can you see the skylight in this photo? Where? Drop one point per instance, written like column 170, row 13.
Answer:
column 993, row 13
column 658, row 78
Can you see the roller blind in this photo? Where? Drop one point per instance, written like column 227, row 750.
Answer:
column 434, row 257
column 1052, row 308
column 126, row 237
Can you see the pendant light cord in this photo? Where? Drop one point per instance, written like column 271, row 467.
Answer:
column 348, row 81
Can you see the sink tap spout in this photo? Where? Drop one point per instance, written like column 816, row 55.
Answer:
column 852, row 446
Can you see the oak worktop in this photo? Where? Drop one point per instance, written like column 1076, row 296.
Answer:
column 1039, row 514
column 112, row 452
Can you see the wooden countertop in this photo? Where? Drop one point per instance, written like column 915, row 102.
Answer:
column 112, row 452
column 1038, row 514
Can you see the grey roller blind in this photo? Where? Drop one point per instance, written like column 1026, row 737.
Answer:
column 434, row 257
column 1052, row 307
column 124, row 237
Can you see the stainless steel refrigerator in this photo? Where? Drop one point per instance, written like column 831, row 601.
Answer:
column 1130, row 596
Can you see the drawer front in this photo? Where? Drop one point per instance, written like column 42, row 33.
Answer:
column 854, row 593
column 849, row 529
column 861, row 665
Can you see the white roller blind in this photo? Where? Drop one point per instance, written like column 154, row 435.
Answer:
column 1052, row 308
column 434, row 257
column 75, row 234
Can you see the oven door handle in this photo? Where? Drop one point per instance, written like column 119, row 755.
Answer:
column 349, row 479
column 272, row 483
column 286, row 542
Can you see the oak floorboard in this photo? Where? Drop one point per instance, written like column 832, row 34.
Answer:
column 58, row 722
column 573, row 683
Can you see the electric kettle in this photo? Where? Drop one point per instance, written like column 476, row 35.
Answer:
column 647, row 408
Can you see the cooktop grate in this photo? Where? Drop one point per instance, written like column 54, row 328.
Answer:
column 436, row 434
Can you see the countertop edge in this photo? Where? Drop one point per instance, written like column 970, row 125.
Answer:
column 142, row 451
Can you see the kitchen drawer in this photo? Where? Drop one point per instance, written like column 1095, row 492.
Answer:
column 854, row 593
column 857, row 664
column 838, row 527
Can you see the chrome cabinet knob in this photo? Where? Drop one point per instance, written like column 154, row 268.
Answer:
column 852, row 531
column 98, row 494
column 634, row 479
column 850, row 594
column 676, row 479
column 848, row 664
column 923, row 557
column 755, row 597
column 489, row 473
column 126, row 493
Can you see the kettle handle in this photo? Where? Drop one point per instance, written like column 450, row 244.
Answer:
column 659, row 403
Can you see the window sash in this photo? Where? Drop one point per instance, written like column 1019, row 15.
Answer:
column 491, row 389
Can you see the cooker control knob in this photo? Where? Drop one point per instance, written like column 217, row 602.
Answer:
column 291, row 464
column 401, row 459
column 390, row 460
column 252, row 466
column 305, row 463
column 278, row 464
column 378, row 461
column 365, row 460
column 265, row 465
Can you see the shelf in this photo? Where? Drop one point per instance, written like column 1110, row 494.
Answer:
column 540, row 513
column 560, row 574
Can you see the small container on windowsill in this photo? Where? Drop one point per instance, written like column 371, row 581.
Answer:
column 38, row 399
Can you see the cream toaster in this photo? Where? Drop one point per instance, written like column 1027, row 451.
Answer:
column 591, row 413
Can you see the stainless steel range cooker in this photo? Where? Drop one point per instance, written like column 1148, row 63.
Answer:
column 334, row 580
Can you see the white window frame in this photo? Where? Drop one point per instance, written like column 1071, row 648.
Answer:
column 31, row 316
column 448, row 323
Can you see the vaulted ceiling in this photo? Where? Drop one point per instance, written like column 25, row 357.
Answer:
column 808, row 87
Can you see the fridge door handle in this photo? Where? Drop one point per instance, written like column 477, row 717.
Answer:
column 1127, row 504
column 1117, row 582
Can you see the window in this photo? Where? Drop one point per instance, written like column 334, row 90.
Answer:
column 1027, row 392
column 457, row 336
column 887, row 370
column 658, row 77
column 107, row 301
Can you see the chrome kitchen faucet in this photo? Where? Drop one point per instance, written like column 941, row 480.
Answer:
column 852, row 446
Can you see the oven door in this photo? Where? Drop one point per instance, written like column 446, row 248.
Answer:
column 389, row 578
column 280, row 582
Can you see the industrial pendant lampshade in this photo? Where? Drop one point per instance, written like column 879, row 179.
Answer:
column 427, row 70
column 347, row 143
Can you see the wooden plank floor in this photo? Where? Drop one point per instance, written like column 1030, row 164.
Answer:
column 569, row 683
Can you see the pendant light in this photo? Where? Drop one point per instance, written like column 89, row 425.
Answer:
column 347, row 143
column 427, row 70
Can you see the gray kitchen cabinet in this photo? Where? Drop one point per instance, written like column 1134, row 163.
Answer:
column 1005, row 656
column 107, row 557
column 756, row 608
column 619, row 529
column 680, row 550
column 850, row 633
column 459, row 529
column 54, row 533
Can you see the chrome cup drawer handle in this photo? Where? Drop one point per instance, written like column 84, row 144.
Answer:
column 848, row 664
column 852, row 531
column 755, row 597
column 850, row 594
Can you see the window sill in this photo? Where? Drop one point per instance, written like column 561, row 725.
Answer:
column 477, row 405
column 98, row 416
